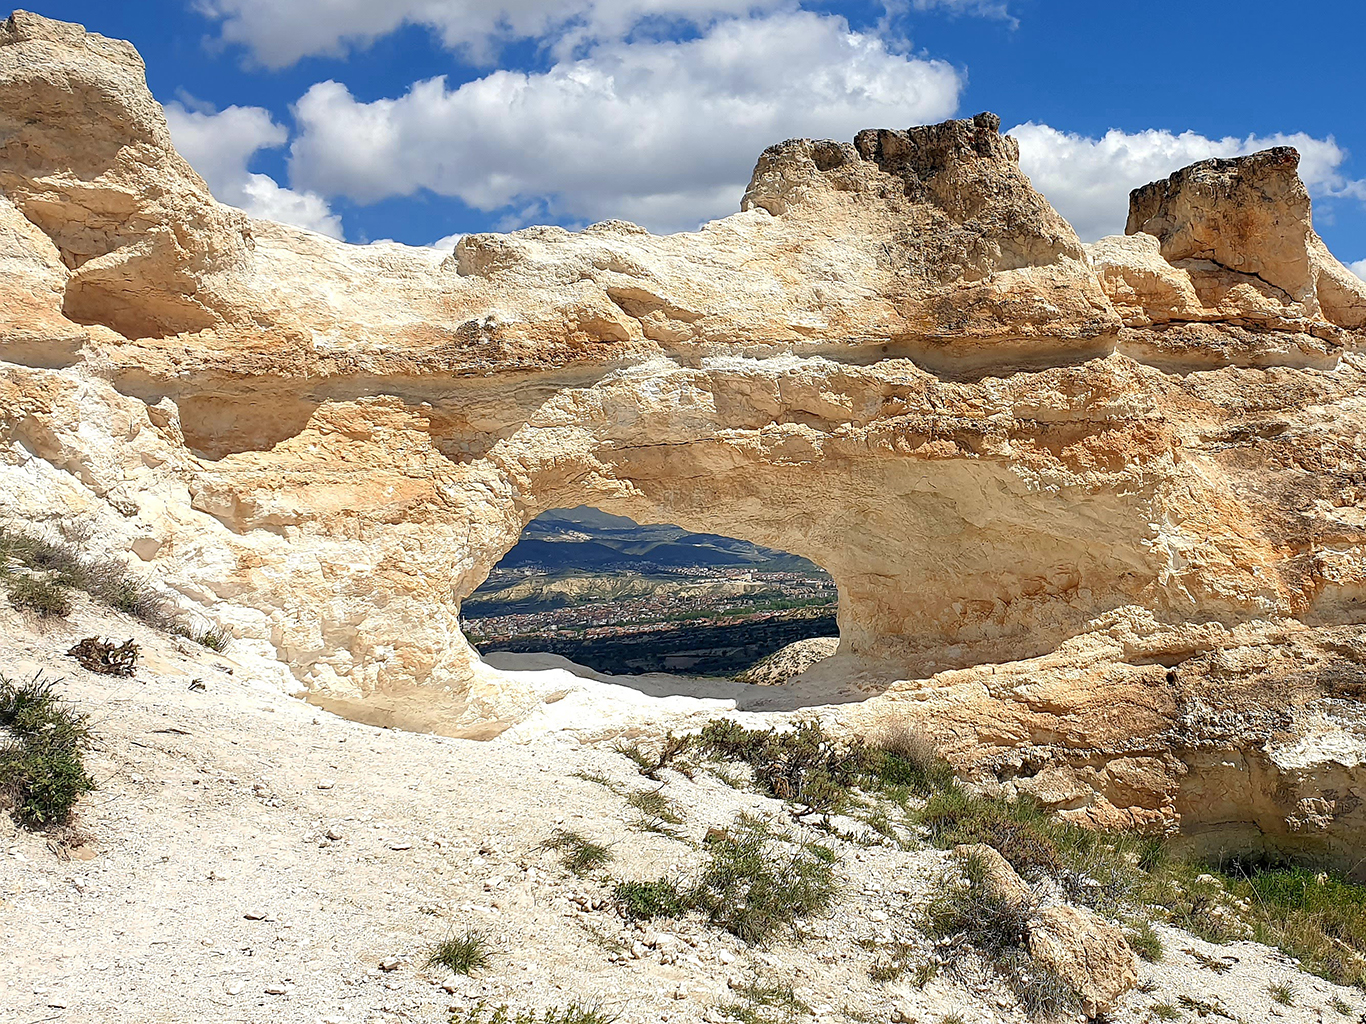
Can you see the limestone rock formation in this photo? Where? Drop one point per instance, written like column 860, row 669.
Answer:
column 1079, row 945
column 1096, row 517
column 1074, row 943
column 998, row 878
column 792, row 660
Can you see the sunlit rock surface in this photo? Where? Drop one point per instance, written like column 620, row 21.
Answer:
column 1095, row 513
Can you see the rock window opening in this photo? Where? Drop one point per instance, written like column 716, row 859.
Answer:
column 623, row 598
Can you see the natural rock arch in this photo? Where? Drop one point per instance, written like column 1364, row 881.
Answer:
column 1140, row 459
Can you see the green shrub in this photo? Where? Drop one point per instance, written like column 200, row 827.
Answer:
column 809, row 766
column 643, row 900
column 901, row 757
column 803, row 764
column 755, row 882
column 578, row 853
column 758, row 881
column 42, row 770
column 461, row 954
column 1018, row 829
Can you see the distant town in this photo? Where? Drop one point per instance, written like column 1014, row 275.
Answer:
column 708, row 595
column 620, row 597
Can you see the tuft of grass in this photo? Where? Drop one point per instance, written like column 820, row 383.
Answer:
column 574, row 1013
column 909, row 759
column 578, row 853
column 1164, row 1011
column 759, row 880
column 654, row 804
column 1204, row 1008
column 1283, row 993
column 643, row 900
column 650, row 765
column 1341, row 1006
column 38, row 594
column 461, row 954
column 952, row 1018
column 761, row 1003
column 42, row 769
column 595, row 777
column 657, row 812
column 216, row 638
column 893, row 963
column 1145, row 941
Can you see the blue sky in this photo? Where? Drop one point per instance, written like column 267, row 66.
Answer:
column 420, row 120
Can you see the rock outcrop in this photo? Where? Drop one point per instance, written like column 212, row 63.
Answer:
column 1095, row 513
column 1073, row 943
column 792, row 660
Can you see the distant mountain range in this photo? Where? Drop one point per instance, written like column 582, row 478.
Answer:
column 587, row 540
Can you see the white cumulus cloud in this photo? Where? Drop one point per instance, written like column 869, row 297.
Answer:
column 664, row 133
column 220, row 145
column 1089, row 179
column 279, row 32
column 1358, row 268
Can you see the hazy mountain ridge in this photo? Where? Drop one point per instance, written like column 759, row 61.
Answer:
column 585, row 538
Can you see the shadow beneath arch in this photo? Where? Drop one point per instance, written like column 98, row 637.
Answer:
column 840, row 679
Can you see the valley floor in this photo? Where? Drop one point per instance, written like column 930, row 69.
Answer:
column 249, row 857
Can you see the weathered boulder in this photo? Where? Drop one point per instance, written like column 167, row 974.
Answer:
column 1089, row 952
column 995, row 874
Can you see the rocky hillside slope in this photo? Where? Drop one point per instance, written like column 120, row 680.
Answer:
column 248, row 858
column 1094, row 512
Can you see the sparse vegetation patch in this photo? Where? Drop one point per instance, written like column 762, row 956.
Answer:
column 461, row 954
column 979, row 921
column 578, row 853
column 756, row 882
column 574, row 1013
column 761, row 1003
column 38, row 575
column 42, row 769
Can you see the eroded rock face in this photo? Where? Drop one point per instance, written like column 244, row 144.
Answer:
column 1095, row 518
column 87, row 158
